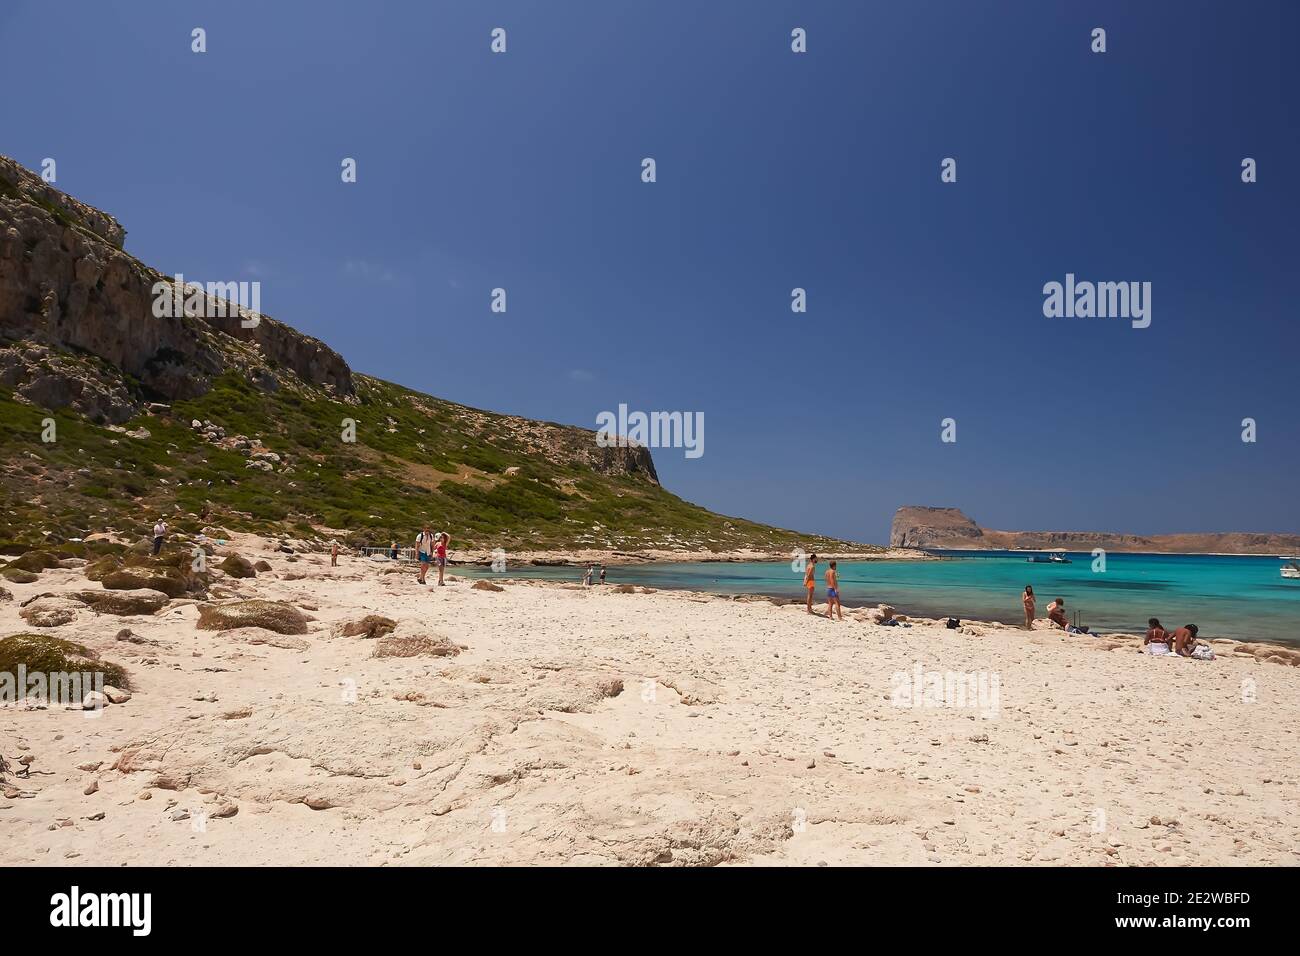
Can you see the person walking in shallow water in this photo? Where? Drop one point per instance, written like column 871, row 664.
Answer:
column 1030, row 603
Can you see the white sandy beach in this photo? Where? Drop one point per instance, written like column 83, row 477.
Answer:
column 589, row 726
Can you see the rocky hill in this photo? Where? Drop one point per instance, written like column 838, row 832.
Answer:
column 915, row 526
column 239, row 422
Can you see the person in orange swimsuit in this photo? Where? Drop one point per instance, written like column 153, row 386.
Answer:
column 809, row 579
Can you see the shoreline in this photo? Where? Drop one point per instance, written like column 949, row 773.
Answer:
column 578, row 557
column 1289, row 654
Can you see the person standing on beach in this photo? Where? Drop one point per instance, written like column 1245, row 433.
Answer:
column 833, row 591
column 602, row 574
column 441, row 554
column 586, row 575
column 810, row 579
column 1030, row 603
column 426, row 545
column 159, row 532
column 334, row 554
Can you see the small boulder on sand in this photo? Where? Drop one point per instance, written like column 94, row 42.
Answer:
column 124, row 603
column 483, row 585
column 139, row 579
column 370, row 626
column 36, row 561
column 238, row 567
column 49, row 611
column 45, row 654
column 272, row 615
column 262, row 566
column 396, row 645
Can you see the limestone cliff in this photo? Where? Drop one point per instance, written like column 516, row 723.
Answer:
column 76, row 315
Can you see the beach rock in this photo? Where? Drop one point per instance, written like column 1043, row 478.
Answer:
column 1270, row 653
column 422, row 646
column 482, row 585
column 238, row 567
column 140, row 579
column 123, row 603
column 18, row 575
column 262, row 566
column 95, row 570
column 257, row 636
column 115, row 694
column 370, row 626
column 128, row 635
column 47, row 654
column 36, row 561
column 94, row 700
column 49, row 612
column 274, row 616
column 6, row 595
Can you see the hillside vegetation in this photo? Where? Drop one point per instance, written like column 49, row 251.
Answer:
column 491, row 480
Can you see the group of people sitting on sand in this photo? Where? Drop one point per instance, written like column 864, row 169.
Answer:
column 1158, row 641
column 1181, row 641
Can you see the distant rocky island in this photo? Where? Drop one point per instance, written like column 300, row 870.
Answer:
column 917, row 526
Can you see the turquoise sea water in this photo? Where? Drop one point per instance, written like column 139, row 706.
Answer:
column 1238, row 597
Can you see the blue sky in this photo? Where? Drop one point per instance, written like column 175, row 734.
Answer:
column 775, row 170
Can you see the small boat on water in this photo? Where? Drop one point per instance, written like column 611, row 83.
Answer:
column 1292, row 569
column 1055, row 557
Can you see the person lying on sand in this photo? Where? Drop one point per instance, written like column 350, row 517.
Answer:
column 833, row 591
column 1157, row 642
column 809, row 579
column 1056, row 613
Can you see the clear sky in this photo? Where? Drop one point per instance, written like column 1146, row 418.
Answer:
column 775, row 170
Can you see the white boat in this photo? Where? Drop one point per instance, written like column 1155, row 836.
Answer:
column 1292, row 570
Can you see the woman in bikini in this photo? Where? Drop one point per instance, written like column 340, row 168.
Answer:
column 809, row 579
column 1030, row 603
column 1158, row 641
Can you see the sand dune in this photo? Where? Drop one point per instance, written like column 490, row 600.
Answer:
column 545, row 723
